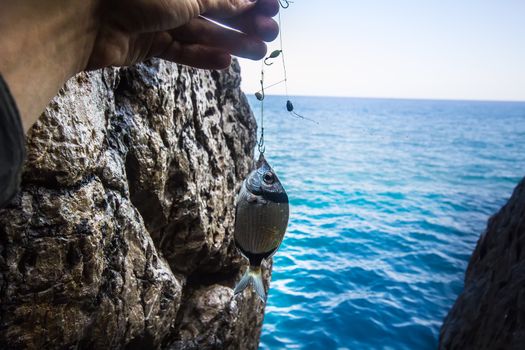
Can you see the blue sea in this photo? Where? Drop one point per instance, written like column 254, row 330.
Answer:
column 388, row 199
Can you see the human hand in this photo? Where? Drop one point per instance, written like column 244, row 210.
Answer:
column 182, row 31
column 44, row 43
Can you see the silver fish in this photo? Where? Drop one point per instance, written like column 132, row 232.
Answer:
column 261, row 218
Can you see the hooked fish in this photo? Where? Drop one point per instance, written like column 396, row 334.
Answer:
column 261, row 218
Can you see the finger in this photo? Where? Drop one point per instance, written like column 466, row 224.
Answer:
column 225, row 8
column 259, row 26
column 256, row 21
column 158, row 15
column 202, row 31
column 146, row 45
column 267, row 8
column 196, row 55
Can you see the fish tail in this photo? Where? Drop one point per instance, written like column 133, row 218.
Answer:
column 243, row 283
column 256, row 274
column 252, row 275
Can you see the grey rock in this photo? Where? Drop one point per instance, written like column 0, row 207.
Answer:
column 490, row 312
column 121, row 235
column 214, row 319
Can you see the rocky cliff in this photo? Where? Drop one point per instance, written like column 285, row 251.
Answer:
column 490, row 312
column 121, row 236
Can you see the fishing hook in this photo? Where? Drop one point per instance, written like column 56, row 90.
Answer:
column 290, row 108
column 284, row 3
column 260, row 95
column 260, row 145
column 274, row 54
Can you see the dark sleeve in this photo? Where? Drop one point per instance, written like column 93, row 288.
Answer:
column 12, row 146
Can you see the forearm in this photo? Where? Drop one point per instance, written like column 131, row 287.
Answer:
column 43, row 43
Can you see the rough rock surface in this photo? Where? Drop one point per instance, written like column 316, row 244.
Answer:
column 122, row 233
column 490, row 313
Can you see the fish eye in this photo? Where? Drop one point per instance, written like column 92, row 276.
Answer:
column 268, row 178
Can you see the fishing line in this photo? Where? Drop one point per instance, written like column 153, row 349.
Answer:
column 282, row 52
column 272, row 85
column 289, row 104
column 260, row 95
column 261, row 222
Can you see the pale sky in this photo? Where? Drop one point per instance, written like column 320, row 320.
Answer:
column 443, row 49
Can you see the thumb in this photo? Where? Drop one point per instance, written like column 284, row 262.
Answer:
column 225, row 8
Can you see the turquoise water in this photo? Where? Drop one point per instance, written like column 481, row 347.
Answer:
column 388, row 198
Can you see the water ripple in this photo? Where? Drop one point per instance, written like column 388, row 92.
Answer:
column 388, row 199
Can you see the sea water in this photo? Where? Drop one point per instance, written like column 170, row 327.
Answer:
column 388, row 199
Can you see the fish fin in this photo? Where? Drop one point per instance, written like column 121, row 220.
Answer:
column 258, row 284
column 243, row 283
column 252, row 275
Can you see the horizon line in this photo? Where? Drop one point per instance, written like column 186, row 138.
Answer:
column 398, row 98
